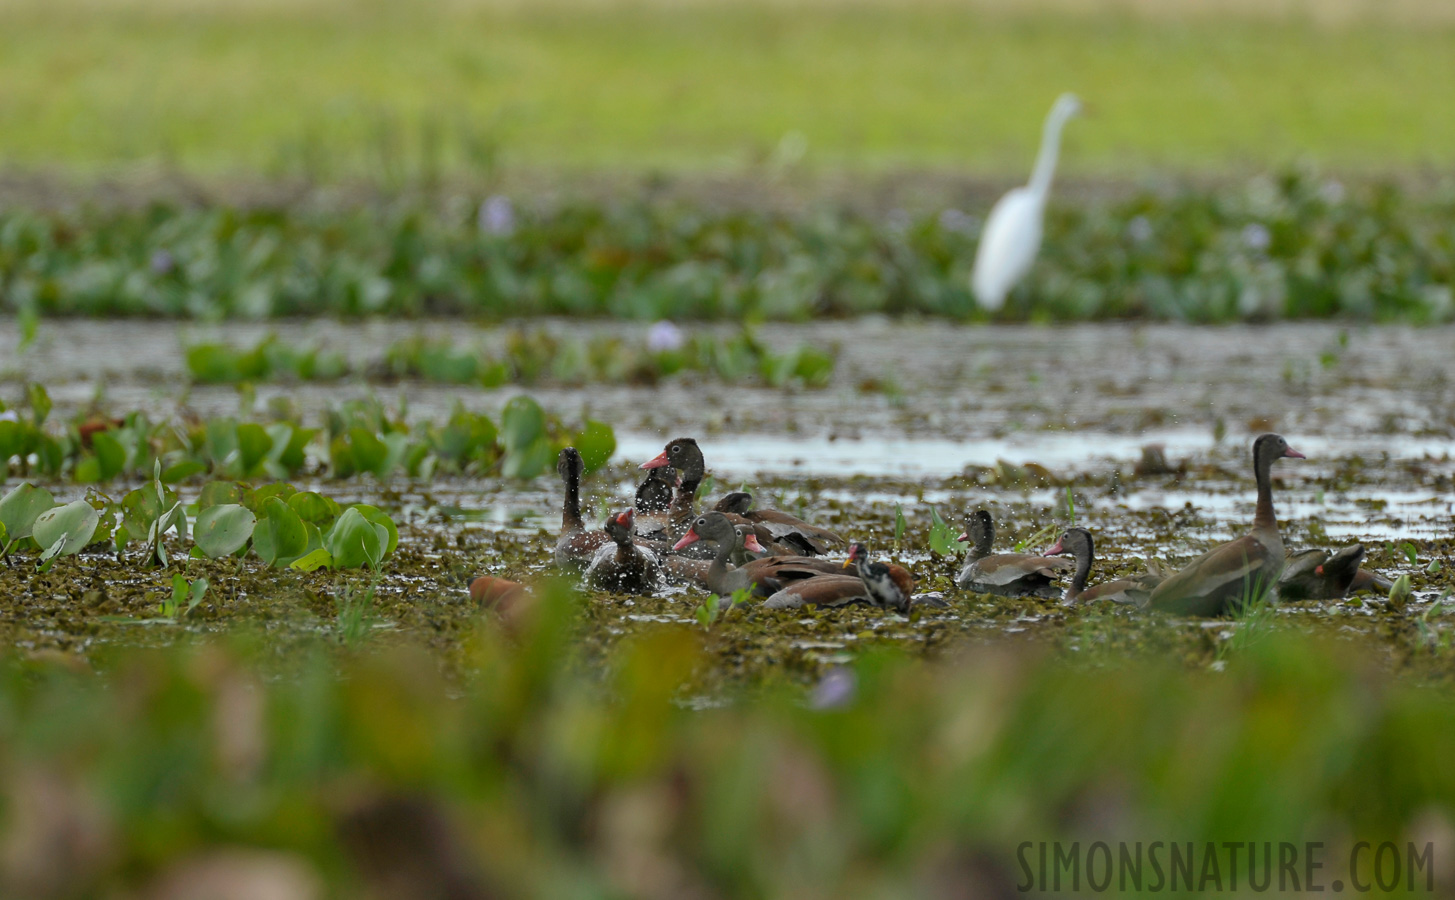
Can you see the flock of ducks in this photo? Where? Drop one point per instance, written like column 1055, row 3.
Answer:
column 776, row 559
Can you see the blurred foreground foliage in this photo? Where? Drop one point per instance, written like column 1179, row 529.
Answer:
column 527, row 773
column 1295, row 245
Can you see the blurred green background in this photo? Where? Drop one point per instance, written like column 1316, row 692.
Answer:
column 322, row 87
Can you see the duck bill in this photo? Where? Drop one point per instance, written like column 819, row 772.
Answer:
column 751, row 543
column 626, row 519
column 1053, row 549
column 687, row 539
column 964, row 538
column 1291, row 453
column 657, row 462
column 1318, row 570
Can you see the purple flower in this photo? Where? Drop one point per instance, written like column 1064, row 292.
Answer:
column 162, row 263
column 9, row 415
column 1139, row 229
column 836, row 690
column 663, row 336
column 497, row 216
column 1256, row 237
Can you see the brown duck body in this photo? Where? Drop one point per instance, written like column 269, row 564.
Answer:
column 576, row 547
column 875, row 584
column 1005, row 574
column 1320, row 575
column 773, row 526
column 1240, row 572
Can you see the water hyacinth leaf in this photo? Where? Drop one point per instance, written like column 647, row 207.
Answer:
column 312, row 506
column 944, row 540
column 355, row 542
column 279, row 537
column 110, row 455
column 196, row 593
column 13, row 438
column 21, row 507
column 529, row 462
column 40, row 404
column 522, row 424
column 596, row 442
column 253, row 445
column 369, row 453
column 216, row 493
column 71, row 525
column 182, row 471
column 380, row 518
column 224, row 529
column 316, row 559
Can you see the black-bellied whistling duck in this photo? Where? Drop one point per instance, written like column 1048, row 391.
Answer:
column 721, row 580
column 1130, row 591
column 1239, row 573
column 1006, row 574
column 1321, row 575
column 745, row 547
column 877, row 584
column 654, row 494
column 576, row 546
column 683, row 455
column 496, row 593
column 623, row 566
column 791, row 531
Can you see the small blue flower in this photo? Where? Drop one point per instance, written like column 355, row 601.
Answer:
column 663, row 336
column 497, row 216
column 1257, row 237
column 836, row 690
column 162, row 263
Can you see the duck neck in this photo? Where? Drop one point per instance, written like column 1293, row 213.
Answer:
column 571, row 509
column 717, row 570
column 1264, row 518
column 1083, row 571
column 684, row 505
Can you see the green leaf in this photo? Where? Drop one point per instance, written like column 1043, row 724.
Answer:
column 596, row 444
column 72, row 525
column 216, row 493
column 40, row 404
column 110, row 455
column 522, row 424
column 354, row 541
column 900, row 525
column 223, row 529
column 1410, row 551
column 312, row 506
column 279, row 537
column 199, row 590
column 308, row 562
column 182, row 471
column 253, row 445
column 21, row 507
column 378, row 517
column 370, row 454
column 529, row 462
column 943, row 538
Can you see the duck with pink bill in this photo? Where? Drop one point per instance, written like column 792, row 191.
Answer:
column 1127, row 591
column 1240, row 573
column 719, row 577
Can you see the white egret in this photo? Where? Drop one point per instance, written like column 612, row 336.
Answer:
column 1012, row 234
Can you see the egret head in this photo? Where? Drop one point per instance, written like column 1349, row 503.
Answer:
column 1066, row 106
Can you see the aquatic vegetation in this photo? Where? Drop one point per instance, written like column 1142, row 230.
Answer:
column 283, row 526
column 357, row 437
column 530, row 358
column 1282, row 246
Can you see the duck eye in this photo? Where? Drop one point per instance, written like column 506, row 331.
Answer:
column 675, row 448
